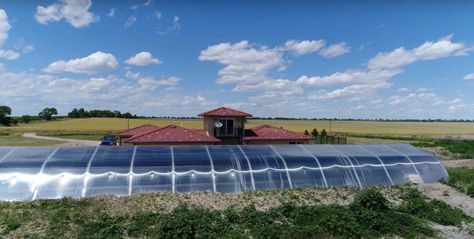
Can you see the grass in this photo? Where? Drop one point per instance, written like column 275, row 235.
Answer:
column 104, row 125
column 18, row 140
column 371, row 140
column 369, row 214
column 462, row 148
column 462, row 179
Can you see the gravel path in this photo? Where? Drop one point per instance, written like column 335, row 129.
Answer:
column 449, row 195
column 66, row 142
column 459, row 163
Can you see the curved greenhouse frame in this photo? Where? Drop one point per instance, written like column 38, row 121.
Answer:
column 29, row 173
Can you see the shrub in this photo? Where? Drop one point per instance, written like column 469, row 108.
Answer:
column 371, row 199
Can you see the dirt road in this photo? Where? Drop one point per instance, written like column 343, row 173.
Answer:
column 65, row 142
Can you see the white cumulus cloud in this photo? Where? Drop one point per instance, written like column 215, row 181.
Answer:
column 429, row 50
column 303, row 47
column 349, row 77
column 75, row 12
column 469, row 76
column 335, row 50
column 142, row 59
column 4, row 29
column 94, row 63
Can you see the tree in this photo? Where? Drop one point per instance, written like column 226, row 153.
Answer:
column 14, row 121
column 48, row 113
column 5, row 111
column 73, row 113
column 314, row 133
column 324, row 133
column 127, row 115
column 26, row 119
column 306, row 132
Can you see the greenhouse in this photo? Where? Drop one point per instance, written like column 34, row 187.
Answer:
column 29, row 173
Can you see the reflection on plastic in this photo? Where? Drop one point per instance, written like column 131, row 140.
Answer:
column 29, row 173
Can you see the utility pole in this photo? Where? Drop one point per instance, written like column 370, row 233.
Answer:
column 128, row 123
column 330, row 126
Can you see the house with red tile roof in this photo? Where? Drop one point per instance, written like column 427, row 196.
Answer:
column 269, row 134
column 220, row 126
column 171, row 134
column 126, row 134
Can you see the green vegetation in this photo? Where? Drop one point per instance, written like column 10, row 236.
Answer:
column 416, row 204
column 5, row 111
column 18, row 140
column 462, row 179
column 463, row 148
column 372, row 140
column 369, row 215
column 47, row 113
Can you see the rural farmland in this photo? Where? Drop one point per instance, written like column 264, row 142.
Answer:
column 100, row 125
column 236, row 119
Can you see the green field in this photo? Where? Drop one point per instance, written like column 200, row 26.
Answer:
column 102, row 125
column 18, row 140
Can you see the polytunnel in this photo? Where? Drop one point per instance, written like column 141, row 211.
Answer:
column 29, row 173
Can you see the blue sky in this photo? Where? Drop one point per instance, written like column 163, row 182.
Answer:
column 271, row 58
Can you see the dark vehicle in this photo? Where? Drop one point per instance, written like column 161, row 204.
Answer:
column 109, row 140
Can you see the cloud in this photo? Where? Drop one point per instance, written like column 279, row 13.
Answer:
column 424, row 100
column 349, row 91
column 148, row 3
column 28, row 92
column 9, row 54
column 75, row 12
column 429, row 50
column 130, row 21
column 350, row 77
column 149, row 82
column 94, row 63
column 143, row 58
column 469, row 76
column 173, row 28
column 22, row 46
column 335, row 50
column 112, row 12
column 4, row 29
column 244, row 64
column 303, row 47
column 157, row 15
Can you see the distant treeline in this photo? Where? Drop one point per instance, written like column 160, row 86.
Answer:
column 355, row 119
column 326, row 119
column 81, row 113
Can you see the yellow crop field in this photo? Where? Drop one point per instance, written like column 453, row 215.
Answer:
column 100, row 125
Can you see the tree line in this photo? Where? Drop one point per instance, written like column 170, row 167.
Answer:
column 82, row 113
column 7, row 120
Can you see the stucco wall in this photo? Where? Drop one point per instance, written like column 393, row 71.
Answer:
column 208, row 123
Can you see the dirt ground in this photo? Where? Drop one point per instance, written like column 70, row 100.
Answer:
column 62, row 141
column 454, row 198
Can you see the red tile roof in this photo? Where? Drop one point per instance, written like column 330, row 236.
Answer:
column 172, row 134
column 223, row 111
column 200, row 131
column 137, row 130
column 269, row 132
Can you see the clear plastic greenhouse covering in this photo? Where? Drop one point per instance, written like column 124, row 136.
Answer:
column 29, row 173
